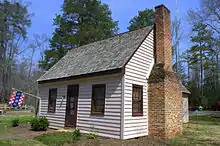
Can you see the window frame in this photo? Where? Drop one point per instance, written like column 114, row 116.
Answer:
column 139, row 113
column 93, row 113
column 53, row 109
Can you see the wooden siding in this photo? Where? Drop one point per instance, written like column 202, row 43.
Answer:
column 136, row 72
column 107, row 125
column 185, row 109
column 57, row 119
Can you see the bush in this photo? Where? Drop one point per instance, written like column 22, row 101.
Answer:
column 15, row 122
column 76, row 134
column 92, row 136
column 39, row 124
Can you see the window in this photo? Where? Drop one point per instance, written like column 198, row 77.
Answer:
column 98, row 99
column 52, row 100
column 137, row 100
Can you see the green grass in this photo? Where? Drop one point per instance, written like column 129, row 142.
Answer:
column 201, row 130
column 6, row 121
column 55, row 139
column 19, row 142
column 5, row 129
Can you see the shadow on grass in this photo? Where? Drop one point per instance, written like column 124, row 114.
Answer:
column 210, row 118
column 205, row 119
column 205, row 123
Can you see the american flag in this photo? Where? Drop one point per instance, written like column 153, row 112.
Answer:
column 16, row 99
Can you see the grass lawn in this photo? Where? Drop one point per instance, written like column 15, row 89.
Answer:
column 7, row 131
column 55, row 139
column 19, row 142
column 201, row 130
column 5, row 121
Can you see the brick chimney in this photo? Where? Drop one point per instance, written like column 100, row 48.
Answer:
column 163, row 43
column 164, row 94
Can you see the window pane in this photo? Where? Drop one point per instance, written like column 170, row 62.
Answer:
column 71, row 99
column 99, row 102
column 139, row 108
column 98, row 99
column 52, row 100
column 99, row 92
column 71, row 105
column 71, row 112
column 135, row 107
column 137, row 100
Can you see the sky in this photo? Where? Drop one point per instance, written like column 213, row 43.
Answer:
column 44, row 11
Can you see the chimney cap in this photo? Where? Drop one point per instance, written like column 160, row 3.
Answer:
column 162, row 5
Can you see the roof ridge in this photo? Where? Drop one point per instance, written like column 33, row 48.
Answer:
column 119, row 34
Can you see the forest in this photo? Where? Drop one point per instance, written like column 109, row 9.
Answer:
column 86, row 21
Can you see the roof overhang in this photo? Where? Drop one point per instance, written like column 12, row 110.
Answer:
column 94, row 74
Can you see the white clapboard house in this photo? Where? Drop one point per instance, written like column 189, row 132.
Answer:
column 102, row 85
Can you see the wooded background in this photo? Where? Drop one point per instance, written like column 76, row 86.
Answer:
column 86, row 21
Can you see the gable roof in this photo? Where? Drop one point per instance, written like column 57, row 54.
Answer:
column 109, row 54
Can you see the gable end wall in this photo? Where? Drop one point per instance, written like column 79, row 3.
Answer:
column 136, row 72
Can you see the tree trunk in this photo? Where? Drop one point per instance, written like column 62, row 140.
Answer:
column 201, row 73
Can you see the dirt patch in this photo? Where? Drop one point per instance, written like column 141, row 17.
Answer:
column 142, row 141
column 23, row 132
column 65, row 139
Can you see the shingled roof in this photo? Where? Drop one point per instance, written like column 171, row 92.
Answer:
column 104, row 55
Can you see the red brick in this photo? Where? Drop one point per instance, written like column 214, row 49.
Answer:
column 164, row 94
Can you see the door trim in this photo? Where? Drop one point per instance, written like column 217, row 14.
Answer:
column 69, row 87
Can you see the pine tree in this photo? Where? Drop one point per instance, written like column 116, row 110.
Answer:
column 14, row 21
column 81, row 22
column 200, row 52
column 143, row 19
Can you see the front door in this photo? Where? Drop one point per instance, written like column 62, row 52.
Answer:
column 71, row 105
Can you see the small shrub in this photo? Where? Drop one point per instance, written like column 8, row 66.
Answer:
column 15, row 122
column 92, row 136
column 39, row 124
column 76, row 134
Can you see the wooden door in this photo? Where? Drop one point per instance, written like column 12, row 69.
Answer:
column 71, row 105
